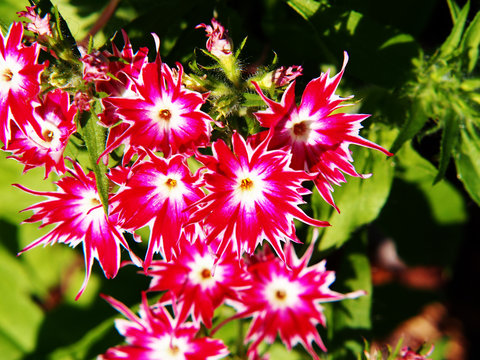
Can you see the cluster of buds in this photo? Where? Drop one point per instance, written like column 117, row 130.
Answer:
column 146, row 127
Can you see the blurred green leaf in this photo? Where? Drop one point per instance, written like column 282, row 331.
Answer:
column 453, row 40
column 359, row 200
column 467, row 160
column 449, row 139
column 471, row 42
column 416, row 120
column 454, row 10
column 306, row 8
column 349, row 321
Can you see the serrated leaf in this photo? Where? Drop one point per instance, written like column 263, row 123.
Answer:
column 467, row 160
column 359, row 200
column 306, row 8
column 449, row 139
column 453, row 40
column 414, row 123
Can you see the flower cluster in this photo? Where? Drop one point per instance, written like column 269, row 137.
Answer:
column 146, row 126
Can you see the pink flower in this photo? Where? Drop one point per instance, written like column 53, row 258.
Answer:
column 157, row 193
column 80, row 218
column 218, row 43
column 95, row 66
column 288, row 301
column 317, row 134
column 408, row 354
column 19, row 79
column 253, row 196
column 199, row 285
column 284, row 76
column 156, row 335
column 163, row 116
column 37, row 24
column 55, row 119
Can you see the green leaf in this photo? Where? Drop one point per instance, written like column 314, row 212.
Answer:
column 453, row 40
column 471, row 42
column 449, row 139
column 454, row 10
column 467, row 160
column 359, row 200
column 415, row 121
column 349, row 321
column 306, row 8
column 94, row 136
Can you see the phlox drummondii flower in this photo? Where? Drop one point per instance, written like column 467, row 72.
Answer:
column 156, row 193
column 37, row 24
column 254, row 195
column 156, row 335
column 288, row 301
column 317, row 134
column 55, row 119
column 218, row 43
column 77, row 210
column 19, row 79
column 164, row 116
column 198, row 284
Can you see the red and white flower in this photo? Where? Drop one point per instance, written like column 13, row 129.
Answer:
column 156, row 335
column 254, row 195
column 55, row 119
column 198, row 284
column 317, row 135
column 288, row 301
column 77, row 211
column 156, row 193
column 19, row 79
column 164, row 116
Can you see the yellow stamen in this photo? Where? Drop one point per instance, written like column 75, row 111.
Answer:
column 171, row 183
column 246, row 184
column 280, row 294
column 165, row 114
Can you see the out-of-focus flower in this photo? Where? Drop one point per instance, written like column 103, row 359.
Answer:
column 285, row 75
column 164, row 116
column 78, row 213
column 156, row 335
column 408, row 354
column 218, row 43
column 288, row 301
column 82, row 101
column 37, row 24
column 157, row 193
column 55, row 119
column 19, row 79
column 317, row 135
column 253, row 195
column 196, row 282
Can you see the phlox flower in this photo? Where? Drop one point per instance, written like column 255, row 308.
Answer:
column 77, row 211
column 254, row 195
column 37, row 24
column 288, row 301
column 285, row 75
column 19, row 79
column 157, row 193
column 163, row 115
column 218, row 42
column 156, row 335
column 196, row 282
column 408, row 354
column 315, row 132
column 54, row 117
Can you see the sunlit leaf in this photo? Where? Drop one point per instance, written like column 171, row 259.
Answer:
column 449, row 139
column 453, row 40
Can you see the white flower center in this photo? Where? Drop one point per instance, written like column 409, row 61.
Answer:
column 201, row 272
column 282, row 293
column 249, row 189
column 169, row 348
